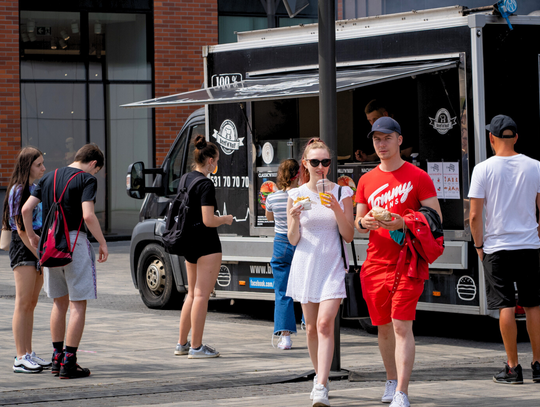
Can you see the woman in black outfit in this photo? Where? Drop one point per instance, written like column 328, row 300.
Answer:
column 204, row 259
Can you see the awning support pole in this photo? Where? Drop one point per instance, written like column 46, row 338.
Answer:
column 328, row 113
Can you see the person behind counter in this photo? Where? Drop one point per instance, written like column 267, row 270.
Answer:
column 276, row 210
column 204, row 259
column 374, row 110
column 397, row 186
column 317, row 278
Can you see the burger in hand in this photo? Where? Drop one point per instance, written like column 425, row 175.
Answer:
column 381, row 214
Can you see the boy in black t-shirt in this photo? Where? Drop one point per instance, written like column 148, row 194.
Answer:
column 72, row 285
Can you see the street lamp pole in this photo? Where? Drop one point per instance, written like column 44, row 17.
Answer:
column 328, row 114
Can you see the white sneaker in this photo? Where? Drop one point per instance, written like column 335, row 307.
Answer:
column 389, row 390
column 285, row 342
column 314, row 384
column 43, row 363
column 400, row 400
column 26, row 365
column 320, row 396
column 203, row 352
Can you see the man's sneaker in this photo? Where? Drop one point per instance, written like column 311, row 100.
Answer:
column 204, row 351
column 400, row 400
column 389, row 391
column 43, row 363
column 69, row 369
column 536, row 371
column 285, row 342
column 314, row 384
column 320, row 396
column 509, row 375
column 182, row 349
column 57, row 358
column 26, row 365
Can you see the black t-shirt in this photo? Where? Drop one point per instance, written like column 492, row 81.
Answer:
column 81, row 189
column 202, row 194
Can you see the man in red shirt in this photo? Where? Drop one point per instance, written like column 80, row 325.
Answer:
column 395, row 185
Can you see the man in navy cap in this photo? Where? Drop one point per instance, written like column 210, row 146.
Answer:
column 397, row 186
column 507, row 186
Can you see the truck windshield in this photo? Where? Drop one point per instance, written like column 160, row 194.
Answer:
column 180, row 161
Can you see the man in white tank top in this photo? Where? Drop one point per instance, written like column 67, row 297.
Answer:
column 507, row 187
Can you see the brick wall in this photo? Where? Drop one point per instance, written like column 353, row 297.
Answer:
column 181, row 29
column 10, row 114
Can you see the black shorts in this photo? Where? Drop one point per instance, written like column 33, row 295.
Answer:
column 19, row 254
column 205, row 241
column 506, row 267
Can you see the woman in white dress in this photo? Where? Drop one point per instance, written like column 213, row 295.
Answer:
column 317, row 277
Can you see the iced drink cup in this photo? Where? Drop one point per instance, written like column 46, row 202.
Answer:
column 324, row 188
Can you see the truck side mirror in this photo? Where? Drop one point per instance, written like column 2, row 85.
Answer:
column 135, row 182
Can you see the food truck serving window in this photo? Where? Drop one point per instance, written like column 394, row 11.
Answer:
column 292, row 86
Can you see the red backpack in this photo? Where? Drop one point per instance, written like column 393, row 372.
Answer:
column 54, row 248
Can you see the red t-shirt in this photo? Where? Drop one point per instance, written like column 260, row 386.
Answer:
column 396, row 191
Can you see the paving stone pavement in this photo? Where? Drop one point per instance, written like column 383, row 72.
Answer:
column 129, row 350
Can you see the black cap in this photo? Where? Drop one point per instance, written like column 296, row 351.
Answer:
column 385, row 125
column 499, row 124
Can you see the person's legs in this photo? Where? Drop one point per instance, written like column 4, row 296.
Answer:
column 311, row 311
column 404, row 354
column 58, row 318
column 27, row 282
column 284, row 320
column 387, row 347
column 185, row 314
column 325, row 331
column 533, row 328
column 508, row 326
column 77, row 318
column 207, row 273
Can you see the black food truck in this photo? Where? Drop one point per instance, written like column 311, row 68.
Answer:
column 445, row 73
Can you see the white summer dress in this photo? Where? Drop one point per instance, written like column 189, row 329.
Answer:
column 317, row 272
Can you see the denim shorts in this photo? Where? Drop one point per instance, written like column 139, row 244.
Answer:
column 19, row 254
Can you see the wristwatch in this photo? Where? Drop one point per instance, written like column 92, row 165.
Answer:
column 360, row 224
column 479, row 247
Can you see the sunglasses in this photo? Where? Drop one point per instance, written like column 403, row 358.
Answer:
column 315, row 163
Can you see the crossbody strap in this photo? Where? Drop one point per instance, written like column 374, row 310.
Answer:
column 341, row 238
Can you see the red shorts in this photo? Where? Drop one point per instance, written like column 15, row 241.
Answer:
column 377, row 284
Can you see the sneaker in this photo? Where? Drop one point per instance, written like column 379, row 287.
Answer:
column 320, row 396
column 182, row 349
column 389, row 391
column 509, row 375
column 26, row 365
column 43, row 363
column 69, row 369
column 285, row 342
column 314, row 384
column 204, row 351
column 57, row 358
column 536, row 371
column 400, row 400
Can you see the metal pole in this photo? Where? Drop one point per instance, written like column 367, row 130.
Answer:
column 271, row 14
column 328, row 113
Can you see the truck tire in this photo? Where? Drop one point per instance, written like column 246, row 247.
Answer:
column 155, row 279
column 368, row 326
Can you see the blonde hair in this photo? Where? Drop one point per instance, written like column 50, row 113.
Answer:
column 312, row 144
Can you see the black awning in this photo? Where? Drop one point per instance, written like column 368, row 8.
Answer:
column 290, row 86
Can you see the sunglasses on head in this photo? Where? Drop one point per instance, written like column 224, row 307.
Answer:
column 315, row 163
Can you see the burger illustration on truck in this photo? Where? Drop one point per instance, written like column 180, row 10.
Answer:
column 346, row 181
column 266, row 189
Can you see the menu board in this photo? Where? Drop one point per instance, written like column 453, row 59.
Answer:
column 266, row 184
column 445, row 176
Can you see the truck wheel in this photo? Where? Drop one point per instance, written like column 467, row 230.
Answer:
column 155, row 279
column 368, row 326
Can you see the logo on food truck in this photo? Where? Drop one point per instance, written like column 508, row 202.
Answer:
column 227, row 137
column 442, row 122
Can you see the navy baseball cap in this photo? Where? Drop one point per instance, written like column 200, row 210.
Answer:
column 499, row 124
column 385, row 125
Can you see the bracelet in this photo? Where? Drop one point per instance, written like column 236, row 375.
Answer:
column 360, row 224
column 479, row 247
